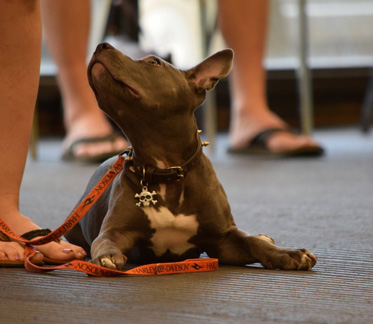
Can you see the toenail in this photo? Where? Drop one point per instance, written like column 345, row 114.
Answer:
column 67, row 251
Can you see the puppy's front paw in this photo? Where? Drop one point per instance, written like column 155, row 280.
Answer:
column 113, row 260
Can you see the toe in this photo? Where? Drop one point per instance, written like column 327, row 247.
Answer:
column 108, row 263
column 11, row 251
column 13, row 255
column 62, row 251
column 284, row 141
column 3, row 256
column 78, row 252
column 305, row 259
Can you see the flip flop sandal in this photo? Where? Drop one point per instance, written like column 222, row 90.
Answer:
column 28, row 236
column 69, row 154
column 13, row 263
column 258, row 146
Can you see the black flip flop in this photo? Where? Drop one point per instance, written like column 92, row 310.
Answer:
column 258, row 146
column 28, row 236
column 69, row 154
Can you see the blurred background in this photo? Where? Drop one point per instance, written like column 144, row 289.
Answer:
column 340, row 53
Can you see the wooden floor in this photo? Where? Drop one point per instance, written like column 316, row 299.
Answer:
column 323, row 204
column 336, row 292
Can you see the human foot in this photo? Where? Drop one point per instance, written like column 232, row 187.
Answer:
column 271, row 133
column 92, row 139
column 74, row 151
column 259, row 145
column 285, row 141
column 12, row 251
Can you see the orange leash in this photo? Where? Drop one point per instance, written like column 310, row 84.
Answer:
column 191, row 265
column 77, row 214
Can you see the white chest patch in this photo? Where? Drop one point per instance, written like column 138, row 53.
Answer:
column 172, row 231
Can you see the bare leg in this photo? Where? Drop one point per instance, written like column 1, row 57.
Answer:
column 20, row 46
column 244, row 27
column 67, row 29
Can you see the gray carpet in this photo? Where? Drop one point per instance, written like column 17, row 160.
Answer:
column 324, row 204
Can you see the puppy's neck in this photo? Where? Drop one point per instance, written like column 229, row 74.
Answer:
column 167, row 152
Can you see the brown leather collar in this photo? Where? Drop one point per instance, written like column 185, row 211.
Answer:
column 150, row 174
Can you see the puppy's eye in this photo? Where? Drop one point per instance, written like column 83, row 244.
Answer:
column 154, row 61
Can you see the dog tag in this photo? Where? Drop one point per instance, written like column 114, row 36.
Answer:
column 145, row 197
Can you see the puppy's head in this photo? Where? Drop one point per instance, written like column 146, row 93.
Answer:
column 150, row 92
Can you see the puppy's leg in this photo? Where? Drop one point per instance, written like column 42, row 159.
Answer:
column 266, row 238
column 239, row 248
column 109, row 247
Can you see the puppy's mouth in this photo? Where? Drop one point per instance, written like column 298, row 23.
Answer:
column 101, row 68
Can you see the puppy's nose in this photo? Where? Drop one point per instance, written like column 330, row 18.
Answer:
column 103, row 46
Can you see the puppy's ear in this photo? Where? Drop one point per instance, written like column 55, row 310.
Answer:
column 207, row 74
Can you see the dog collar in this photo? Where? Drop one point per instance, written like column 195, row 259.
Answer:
column 150, row 174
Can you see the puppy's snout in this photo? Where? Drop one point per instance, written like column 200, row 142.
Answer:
column 103, row 46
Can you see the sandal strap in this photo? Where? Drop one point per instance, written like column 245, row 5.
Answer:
column 108, row 138
column 261, row 138
column 4, row 237
column 35, row 233
column 28, row 235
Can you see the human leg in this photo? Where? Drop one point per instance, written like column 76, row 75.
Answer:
column 67, row 29
column 244, row 26
column 19, row 78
